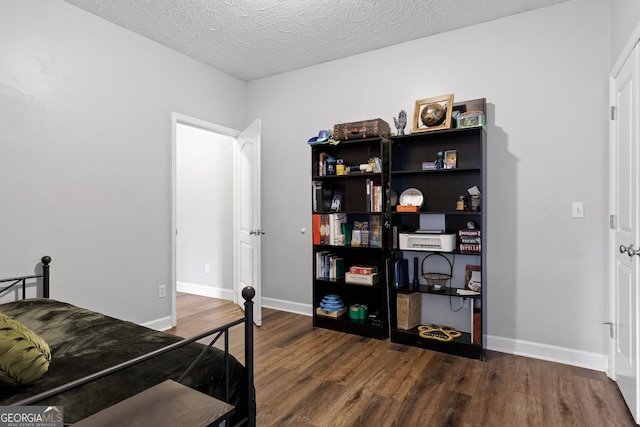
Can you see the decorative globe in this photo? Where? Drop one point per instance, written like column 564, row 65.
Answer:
column 433, row 114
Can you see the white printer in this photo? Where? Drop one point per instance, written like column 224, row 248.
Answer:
column 426, row 241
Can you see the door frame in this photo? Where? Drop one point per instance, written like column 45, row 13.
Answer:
column 202, row 124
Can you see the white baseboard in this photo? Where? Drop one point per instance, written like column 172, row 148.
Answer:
column 161, row 324
column 164, row 323
column 289, row 306
column 205, row 291
column 567, row 356
column 564, row 355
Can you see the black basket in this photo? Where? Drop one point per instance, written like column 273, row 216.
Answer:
column 437, row 281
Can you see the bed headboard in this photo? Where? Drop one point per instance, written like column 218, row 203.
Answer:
column 14, row 282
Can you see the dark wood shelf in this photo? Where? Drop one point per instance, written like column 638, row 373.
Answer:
column 437, row 213
column 461, row 346
column 348, row 175
column 344, row 324
column 435, row 171
column 350, row 212
column 446, row 292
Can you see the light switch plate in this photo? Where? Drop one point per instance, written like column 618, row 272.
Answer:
column 577, row 210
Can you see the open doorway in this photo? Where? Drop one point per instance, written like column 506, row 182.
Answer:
column 204, row 214
column 217, row 175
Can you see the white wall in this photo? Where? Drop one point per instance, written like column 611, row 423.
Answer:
column 204, row 164
column 625, row 17
column 544, row 75
column 85, row 135
column 85, row 131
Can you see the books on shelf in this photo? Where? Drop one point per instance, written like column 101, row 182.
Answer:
column 322, row 197
column 335, row 229
column 374, row 196
column 470, row 241
column 470, row 248
column 329, row 265
column 401, row 274
column 328, row 229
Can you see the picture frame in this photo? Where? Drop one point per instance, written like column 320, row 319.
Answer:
column 336, row 202
column 473, row 277
column 425, row 109
column 450, row 159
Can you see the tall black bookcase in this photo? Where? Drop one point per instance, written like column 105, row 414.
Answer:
column 411, row 160
column 348, row 198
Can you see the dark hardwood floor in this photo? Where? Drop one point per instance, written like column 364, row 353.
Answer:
column 315, row 377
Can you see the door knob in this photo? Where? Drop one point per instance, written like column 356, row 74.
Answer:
column 630, row 250
column 257, row 232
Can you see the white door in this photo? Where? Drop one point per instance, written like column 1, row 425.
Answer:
column 624, row 356
column 249, row 230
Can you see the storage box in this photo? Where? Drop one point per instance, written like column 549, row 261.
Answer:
column 361, row 279
column 332, row 314
column 407, row 208
column 373, row 128
column 409, row 307
column 470, row 119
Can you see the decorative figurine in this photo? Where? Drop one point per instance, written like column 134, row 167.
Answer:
column 331, row 165
column 401, row 122
column 440, row 160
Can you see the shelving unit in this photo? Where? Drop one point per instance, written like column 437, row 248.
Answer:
column 358, row 204
column 441, row 189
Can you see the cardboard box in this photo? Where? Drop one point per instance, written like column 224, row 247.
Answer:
column 407, row 208
column 409, row 307
column 361, row 279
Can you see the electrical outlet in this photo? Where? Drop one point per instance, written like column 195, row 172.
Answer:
column 207, row 269
column 162, row 291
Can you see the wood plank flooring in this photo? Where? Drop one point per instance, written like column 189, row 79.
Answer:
column 317, row 378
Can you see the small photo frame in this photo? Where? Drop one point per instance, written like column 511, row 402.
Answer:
column 336, row 202
column 432, row 113
column 450, row 159
column 473, row 277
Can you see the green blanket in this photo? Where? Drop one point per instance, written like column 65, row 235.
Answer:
column 83, row 342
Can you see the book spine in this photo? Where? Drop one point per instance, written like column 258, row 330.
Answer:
column 316, row 229
column 469, row 232
column 471, row 240
column 470, row 248
column 476, row 335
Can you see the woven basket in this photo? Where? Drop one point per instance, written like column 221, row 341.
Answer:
column 437, row 281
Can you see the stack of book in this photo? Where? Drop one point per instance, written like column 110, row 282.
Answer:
column 329, row 266
column 470, row 242
column 401, row 274
column 362, row 275
column 374, row 196
column 328, row 229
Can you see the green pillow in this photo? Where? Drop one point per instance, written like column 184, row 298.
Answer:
column 24, row 356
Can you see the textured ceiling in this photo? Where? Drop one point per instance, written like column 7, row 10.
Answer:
column 250, row 39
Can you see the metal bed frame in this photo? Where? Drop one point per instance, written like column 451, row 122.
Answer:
column 247, row 293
